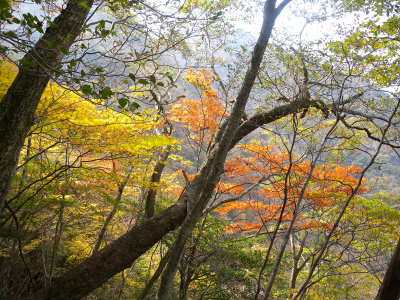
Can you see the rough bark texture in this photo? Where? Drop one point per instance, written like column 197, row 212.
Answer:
column 390, row 288
column 273, row 115
column 114, row 258
column 17, row 108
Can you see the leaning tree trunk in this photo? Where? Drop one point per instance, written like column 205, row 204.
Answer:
column 122, row 253
column 199, row 191
column 114, row 258
column 18, row 107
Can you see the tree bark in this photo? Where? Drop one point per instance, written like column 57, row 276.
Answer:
column 390, row 288
column 114, row 258
column 201, row 188
column 143, row 236
column 154, row 181
column 18, row 107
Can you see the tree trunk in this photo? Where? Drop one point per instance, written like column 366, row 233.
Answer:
column 145, row 235
column 154, row 181
column 18, row 107
column 201, row 188
column 390, row 288
column 114, row 258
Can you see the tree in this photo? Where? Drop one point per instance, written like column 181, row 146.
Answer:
column 19, row 104
column 121, row 253
column 176, row 213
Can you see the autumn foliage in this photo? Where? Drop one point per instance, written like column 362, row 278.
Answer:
column 329, row 185
column 200, row 117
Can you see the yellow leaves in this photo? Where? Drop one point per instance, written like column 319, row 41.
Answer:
column 178, row 158
column 202, row 79
column 8, row 73
column 98, row 128
column 64, row 115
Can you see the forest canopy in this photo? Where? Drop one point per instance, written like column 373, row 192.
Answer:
column 220, row 149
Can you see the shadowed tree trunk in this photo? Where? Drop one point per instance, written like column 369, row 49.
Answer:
column 390, row 288
column 154, row 181
column 17, row 108
column 114, row 258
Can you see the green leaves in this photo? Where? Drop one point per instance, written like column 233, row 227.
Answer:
column 102, row 31
column 4, row 4
column 5, row 10
column 216, row 16
column 106, row 93
column 133, row 106
column 152, row 80
column 125, row 105
column 27, row 63
column 86, row 89
column 143, row 81
column 132, row 76
column 84, row 4
column 30, row 21
column 123, row 102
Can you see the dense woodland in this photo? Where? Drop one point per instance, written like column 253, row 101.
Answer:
column 160, row 150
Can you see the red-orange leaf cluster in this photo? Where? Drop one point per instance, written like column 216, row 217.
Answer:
column 200, row 117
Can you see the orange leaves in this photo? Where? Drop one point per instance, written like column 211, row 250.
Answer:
column 265, row 214
column 269, row 211
column 328, row 186
column 307, row 224
column 201, row 117
column 234, row 188
column 190, row 177
column 242, row 227
column 238, row 206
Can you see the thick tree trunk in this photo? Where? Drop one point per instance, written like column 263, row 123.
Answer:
column 390, row 288
column 18, row 107
column 114, row 258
